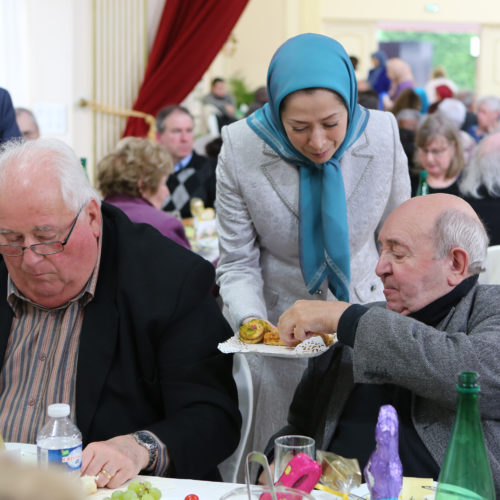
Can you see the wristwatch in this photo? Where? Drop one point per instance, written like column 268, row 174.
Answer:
column 145, row 439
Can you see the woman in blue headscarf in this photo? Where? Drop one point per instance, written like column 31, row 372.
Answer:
column 303, row 184
column 377, row 76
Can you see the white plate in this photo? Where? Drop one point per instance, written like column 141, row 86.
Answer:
column 310, row 348
column 27, row 452
column 175, row 489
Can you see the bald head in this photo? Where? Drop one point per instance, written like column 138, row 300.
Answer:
column 423, row 211
column 429, row 245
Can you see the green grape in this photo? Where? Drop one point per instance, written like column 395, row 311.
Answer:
column 155, row 493
column 137, row 490
column 135, row 486
column 129, row 495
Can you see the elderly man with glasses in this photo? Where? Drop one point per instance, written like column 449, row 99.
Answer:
column 112, row 318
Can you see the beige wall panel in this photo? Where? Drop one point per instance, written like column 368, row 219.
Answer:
column 358, row 39
column 489, row 62
column 262, row 28
column 50, row 59
column 119, row 56
column 82, row 119
column 449, row 11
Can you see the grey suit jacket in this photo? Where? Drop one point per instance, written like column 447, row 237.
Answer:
column 258, row 217
column 391, row 348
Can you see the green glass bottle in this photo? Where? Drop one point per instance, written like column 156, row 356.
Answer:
column 466, row 471
column 83, row 161
column 423, row 187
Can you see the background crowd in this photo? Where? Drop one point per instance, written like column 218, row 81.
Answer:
column 302, row 185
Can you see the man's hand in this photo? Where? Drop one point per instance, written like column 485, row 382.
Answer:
column 114, row 461
column 309, row 316
column 229, row 109
column 262, row 477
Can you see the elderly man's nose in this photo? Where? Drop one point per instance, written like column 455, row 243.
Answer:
column 383, row 266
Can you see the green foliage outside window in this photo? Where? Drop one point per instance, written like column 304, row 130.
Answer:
column 242, row 94
column 451, row 50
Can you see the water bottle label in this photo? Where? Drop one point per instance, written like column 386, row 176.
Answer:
column 70, row 458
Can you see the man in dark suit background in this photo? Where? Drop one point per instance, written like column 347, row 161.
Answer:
column 194, row 175
column 8, row 125
column 112, row 318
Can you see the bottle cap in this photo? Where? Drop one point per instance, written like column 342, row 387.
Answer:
column 58, row 410
column 423, row 175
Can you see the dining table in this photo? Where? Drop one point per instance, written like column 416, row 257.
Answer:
column 171, row 488
column 179, row 489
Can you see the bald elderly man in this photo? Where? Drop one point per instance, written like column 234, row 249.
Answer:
column 408, row 351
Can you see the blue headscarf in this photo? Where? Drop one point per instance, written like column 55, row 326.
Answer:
column 375, row 73
column 311, row 61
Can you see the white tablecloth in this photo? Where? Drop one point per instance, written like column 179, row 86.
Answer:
column 172, row 489
column 178, row 489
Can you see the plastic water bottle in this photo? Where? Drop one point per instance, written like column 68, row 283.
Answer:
column 59, row 442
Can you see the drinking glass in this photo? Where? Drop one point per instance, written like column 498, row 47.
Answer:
column 286, row 447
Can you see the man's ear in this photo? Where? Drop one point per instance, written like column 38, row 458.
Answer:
column 459, row 266
column 94, row 213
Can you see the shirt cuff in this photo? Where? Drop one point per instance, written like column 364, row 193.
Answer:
column 348, row 323
column 160, row 466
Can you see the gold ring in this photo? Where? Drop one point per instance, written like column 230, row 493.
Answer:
column 105, row 473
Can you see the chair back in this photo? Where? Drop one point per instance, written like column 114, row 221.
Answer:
column 492, row 274
column 243, row 378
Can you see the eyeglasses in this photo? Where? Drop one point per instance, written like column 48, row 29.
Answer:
column 433, row 152
column 49, row 248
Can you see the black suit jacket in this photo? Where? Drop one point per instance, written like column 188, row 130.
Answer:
column 201, row 184
column 488, row 209
column 148, row 355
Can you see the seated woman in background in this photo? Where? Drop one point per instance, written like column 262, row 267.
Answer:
column 480, row 185
column 407, row 99
column 455, row 110
column 133, row 178
column 439, row 151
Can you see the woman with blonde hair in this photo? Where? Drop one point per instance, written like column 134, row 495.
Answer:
column 439, row 152
column 133, row 178
column 401, row 76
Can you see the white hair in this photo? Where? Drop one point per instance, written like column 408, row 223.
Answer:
column 455, row 228
column 483, row 171
column 409, row 114
column 454, row 110
column 492, row 102
column 20, row 158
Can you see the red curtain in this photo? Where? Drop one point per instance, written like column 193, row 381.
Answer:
column 190, row 35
